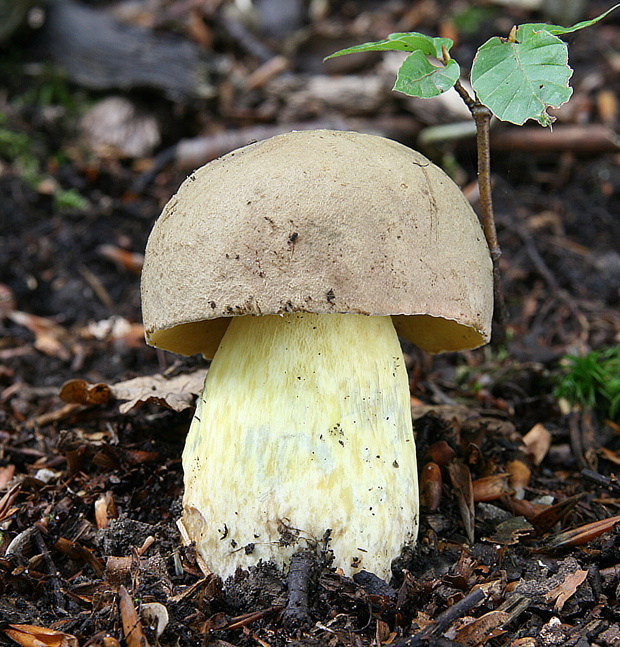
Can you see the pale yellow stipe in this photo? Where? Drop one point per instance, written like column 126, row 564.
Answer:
column 304, row 425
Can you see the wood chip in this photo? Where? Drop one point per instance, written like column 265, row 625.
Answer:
column 132, row 626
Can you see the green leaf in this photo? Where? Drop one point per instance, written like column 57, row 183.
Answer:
column 523, row 31
column 519, row 81
column 418, row 77
column 401, row 42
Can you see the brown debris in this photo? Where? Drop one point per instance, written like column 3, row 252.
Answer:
column 90, row 496
column 132, row 625
column 460, row 477
column 582, row 534
column 32, row 636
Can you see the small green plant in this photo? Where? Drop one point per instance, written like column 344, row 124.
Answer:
column 21, row 150
column 69, row 200
column 514, row 79
column 593, row 380
column 517, row 78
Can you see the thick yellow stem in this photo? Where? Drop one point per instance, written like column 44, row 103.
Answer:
column 304, row 425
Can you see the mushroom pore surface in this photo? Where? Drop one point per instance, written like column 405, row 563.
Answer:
column 304, row 425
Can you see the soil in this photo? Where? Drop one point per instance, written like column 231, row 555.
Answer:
column 518, row 542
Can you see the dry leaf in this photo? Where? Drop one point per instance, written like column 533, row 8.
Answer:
column 79, row 553
column 81, row 392
column 482, row 629
column 553, row 514
column 155, row 616
column 132, row 627
column 7, row 472
column 508, row 532
column 583, row 534
column 520, row 474
column 441, row 453
column 6, row 509
column 523, row 507
column 115, row 329
column 122, row 258
column 105, row 509
column 537, row 440
column 176, row 393
column 31, row 636
column 490, row 488
column 609, row 455
column 463, row 490
column 563, row 591
column 48, row 335
column 431, row 486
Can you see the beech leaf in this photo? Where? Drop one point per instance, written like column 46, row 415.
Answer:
column 518, row 81
column 401, row 42
column 418, row 77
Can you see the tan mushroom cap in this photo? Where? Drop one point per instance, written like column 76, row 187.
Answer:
column 318, row 221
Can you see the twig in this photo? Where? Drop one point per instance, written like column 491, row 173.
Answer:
column 247, row 618
column 300, row 571
column 245, row 38
column 59, row 602
column 433, row 631
column 611, row 484
column 582, row 139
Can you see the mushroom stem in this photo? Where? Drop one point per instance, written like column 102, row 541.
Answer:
column 304, row 424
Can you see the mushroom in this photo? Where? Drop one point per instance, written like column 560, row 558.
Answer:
column 295, row 263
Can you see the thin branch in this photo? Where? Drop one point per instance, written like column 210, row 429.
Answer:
column 434, row 630
column 482, row 118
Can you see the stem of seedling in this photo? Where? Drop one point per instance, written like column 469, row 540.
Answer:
column 482, row 118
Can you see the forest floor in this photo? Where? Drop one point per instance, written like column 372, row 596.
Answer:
column 518, row 541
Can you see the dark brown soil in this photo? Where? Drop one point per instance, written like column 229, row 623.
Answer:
column 92, row 496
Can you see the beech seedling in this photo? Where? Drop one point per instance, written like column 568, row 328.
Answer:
column 515, row 79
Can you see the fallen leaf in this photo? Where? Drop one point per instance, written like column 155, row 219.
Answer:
column 81, row 392
column 79, row 553
column 7, row 500
column 544, row 520
column 582, row 534
column 176, row 393
column 564, row 590
column 132, row 626
column 441, row 453
column 431, row 486
column 155, row 616
column 508, row 532
column 122, row 258
column 463, row 490
column 48, row 335
column 105, row 509
column 537, row 441
column 520, row 474
column 609, row 455
column 32, row 636
column 115, row 329
column 523, row 507
column 480, row 630
column 490, row 488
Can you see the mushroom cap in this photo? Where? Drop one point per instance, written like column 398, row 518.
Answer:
column 318, row 221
